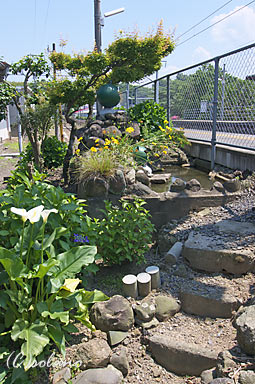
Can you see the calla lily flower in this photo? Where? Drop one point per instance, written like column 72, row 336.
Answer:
column 21, row 212
column 33, row 215
column 46, row 212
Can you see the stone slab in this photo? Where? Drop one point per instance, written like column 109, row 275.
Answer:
column 201, row 253
column 208, row 300
column 180, row 357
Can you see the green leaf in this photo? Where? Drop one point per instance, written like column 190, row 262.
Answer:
column 35, row 336
column 44, row 268
column 57, row 335
column 13, row 265
column 50, row 240
column 71, row 262
column 4, row 233
column 91, row 297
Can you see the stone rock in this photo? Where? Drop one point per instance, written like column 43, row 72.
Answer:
column 130, row 176
column 111, row 131
column 140, row 189
column 107, row 123
column 225, row 363
column 94, row 353
column 62, row 375
column 232, row 185
column 223, row 380
column 115, row 314
column 111, row 116
column 142, row 177
column 94, row 186
column 182, row 358
column 147, row 324
column 207, row 376
column 165, row 240
column 80, row 132
column 178, row 185
column 181, row 271
column 95, row 130
column 209, row 301
column 245, row 325
column 93, row 141
column 117, row 183
column 136, row 132
column 160, row 178
column 193, row 185
column 145, row 311
column 119, row 360
column 166, row 307
column 98, row 122
column 218, row 186
column 247, row 377
column 109, row 375
column 201, row 253
column 116, row 337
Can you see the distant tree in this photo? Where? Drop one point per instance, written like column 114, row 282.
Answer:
column 129, row 58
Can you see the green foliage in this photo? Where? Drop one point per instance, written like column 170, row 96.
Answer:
column 39, row 298
column 149, row 115
column 7, row 93
column 123, row 234
column 53, row 152
column 33, row 65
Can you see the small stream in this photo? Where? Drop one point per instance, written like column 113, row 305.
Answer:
column 184, row 173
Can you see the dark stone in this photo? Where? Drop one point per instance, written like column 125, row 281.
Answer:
column 142, row 177
column 232, row 185
column 218, row 186
column 119, row 360
column 115, row 314
column 98, row 122
column 95, row 130
column 94, row 186
column 117, row 183
column 94, row 142
column 111, row 131
column 110, row 116
column 193, row 185
column 245, row 325
column 178, row 185
column 139, row 189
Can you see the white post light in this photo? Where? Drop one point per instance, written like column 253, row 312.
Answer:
column 115, row 12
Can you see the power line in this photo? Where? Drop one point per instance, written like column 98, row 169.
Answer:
column 217, row 22
column 207, row 17
column 46, row 16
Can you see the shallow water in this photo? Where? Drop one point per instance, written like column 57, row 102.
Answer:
column 184, row 173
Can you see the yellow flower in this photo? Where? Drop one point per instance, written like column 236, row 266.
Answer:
column 170, row 137
column 181, row 128
column 115, row 141
column 106, row 147
column 165, row 121
column 80, row 138
column 100, row 149
column 156, row 154
column 93, row 149
column 104, row 131
column 97, row 140
column 165, row 146
column 107, row 142
column 130, row 130
column 153, row 143
column 168, row 128
column 165, row 152
column 77, row 151
column 162, row 129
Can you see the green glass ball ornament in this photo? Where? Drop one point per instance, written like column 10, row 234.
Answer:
column 108, row 95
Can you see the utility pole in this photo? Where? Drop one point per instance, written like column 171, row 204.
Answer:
column 98, row 22
column 59, row 114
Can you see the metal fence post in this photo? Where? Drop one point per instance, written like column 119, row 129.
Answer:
column 135, row 95
column 127, row 95
column 156, row 90
column 168, row 105
column 215, row 104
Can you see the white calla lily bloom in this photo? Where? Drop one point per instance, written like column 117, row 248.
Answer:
column 46, row 212
column 21, row 212
column 34, row 214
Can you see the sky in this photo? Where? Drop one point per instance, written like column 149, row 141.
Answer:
column 31, row 26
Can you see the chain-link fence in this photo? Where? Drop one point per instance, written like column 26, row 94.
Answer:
column 214, row 101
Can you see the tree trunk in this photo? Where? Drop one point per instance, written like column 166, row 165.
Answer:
column 69, row 153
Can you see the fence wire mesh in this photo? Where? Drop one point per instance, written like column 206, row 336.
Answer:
column 216, row 94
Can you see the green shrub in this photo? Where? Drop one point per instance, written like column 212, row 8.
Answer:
column 53, row 153
column 149, row 114
column 123, row 234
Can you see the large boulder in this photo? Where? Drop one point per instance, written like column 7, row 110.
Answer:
column 109, row 375
column 115, row 314
column 117, row 183
column 245, row 325
column 178, row 185
column 119, row 360
column 93, row 186
column 111, row 131
column 193, row 185
column 95, row 130
column 166, row 307
column 94, row 353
